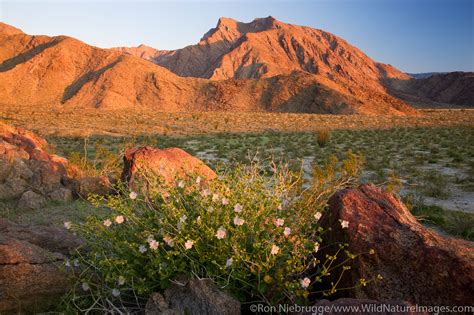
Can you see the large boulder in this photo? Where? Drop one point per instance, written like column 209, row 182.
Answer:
column 26, row 165
column 167, row 164
column 417, row 264
column 27, row 168
column 194, row 297
column 31, row 277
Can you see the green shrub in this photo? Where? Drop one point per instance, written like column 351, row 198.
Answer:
column 254, row 233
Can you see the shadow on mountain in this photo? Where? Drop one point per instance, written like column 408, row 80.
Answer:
column 30, row 54
column 72, row 89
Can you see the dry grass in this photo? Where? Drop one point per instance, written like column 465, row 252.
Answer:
column 63, row 121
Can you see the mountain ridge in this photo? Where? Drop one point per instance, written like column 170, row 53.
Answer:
column 60, row 70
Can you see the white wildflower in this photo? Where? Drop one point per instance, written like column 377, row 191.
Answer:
column 225, row 201
column 142, row 249
column 168, row 240
column 119, row 219
column 107, row 223
column 238, row 208
column 316, row 247
column 153, row 244
column 85, row 286
column 198, row 180
column 229, row 262
column 215, row 197
column 305, row 282
column 76, row 263
column 181, row 184
column 344, row 224
column 67, row 225
column 189, row 244
column 205, row 192
column 238, row 221
column 275, row 250
column 221, row 233
column 115, row 292
column 279, row 222
column 287, row 231
column 318, row 215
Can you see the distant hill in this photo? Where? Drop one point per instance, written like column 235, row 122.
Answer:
column 438, row 90
column 424, row 75
column 265, row 65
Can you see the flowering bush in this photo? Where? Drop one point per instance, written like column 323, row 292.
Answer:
column 254, row 233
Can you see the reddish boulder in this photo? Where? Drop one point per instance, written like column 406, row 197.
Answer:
column 168, row 164
column 17, row 142
column 25, row 164
column 417, row 264
column 31, row 277
column 26, row 167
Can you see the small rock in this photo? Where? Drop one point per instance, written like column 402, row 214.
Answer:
column 62, row 194
column 31, row 200
column 101, row 186
column 194, row 298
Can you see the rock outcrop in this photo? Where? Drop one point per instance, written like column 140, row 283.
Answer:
column 417, row 264
column 31, row 175
column 141, row 164
column 27, row 170
column 31, row 277
column 194, row 298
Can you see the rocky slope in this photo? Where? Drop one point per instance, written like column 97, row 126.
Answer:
column 437, row 90
column 62, row 71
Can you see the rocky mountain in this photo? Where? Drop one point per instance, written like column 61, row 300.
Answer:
column 63, row 71
column 437, row 90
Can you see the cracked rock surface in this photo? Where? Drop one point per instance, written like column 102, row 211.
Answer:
column 31, row 276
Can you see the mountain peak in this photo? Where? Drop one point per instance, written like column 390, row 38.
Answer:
column 9, row 30
column 229, row 29
column 225, row 21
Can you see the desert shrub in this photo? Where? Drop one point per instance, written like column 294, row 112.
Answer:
column 434, row 185
column 323, row 137
column 254, row 233
column 95, row 161
column 394, row 183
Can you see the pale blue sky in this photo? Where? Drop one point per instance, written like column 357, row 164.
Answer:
column 413, row 35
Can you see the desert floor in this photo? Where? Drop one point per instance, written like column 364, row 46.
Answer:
column 428, row 159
